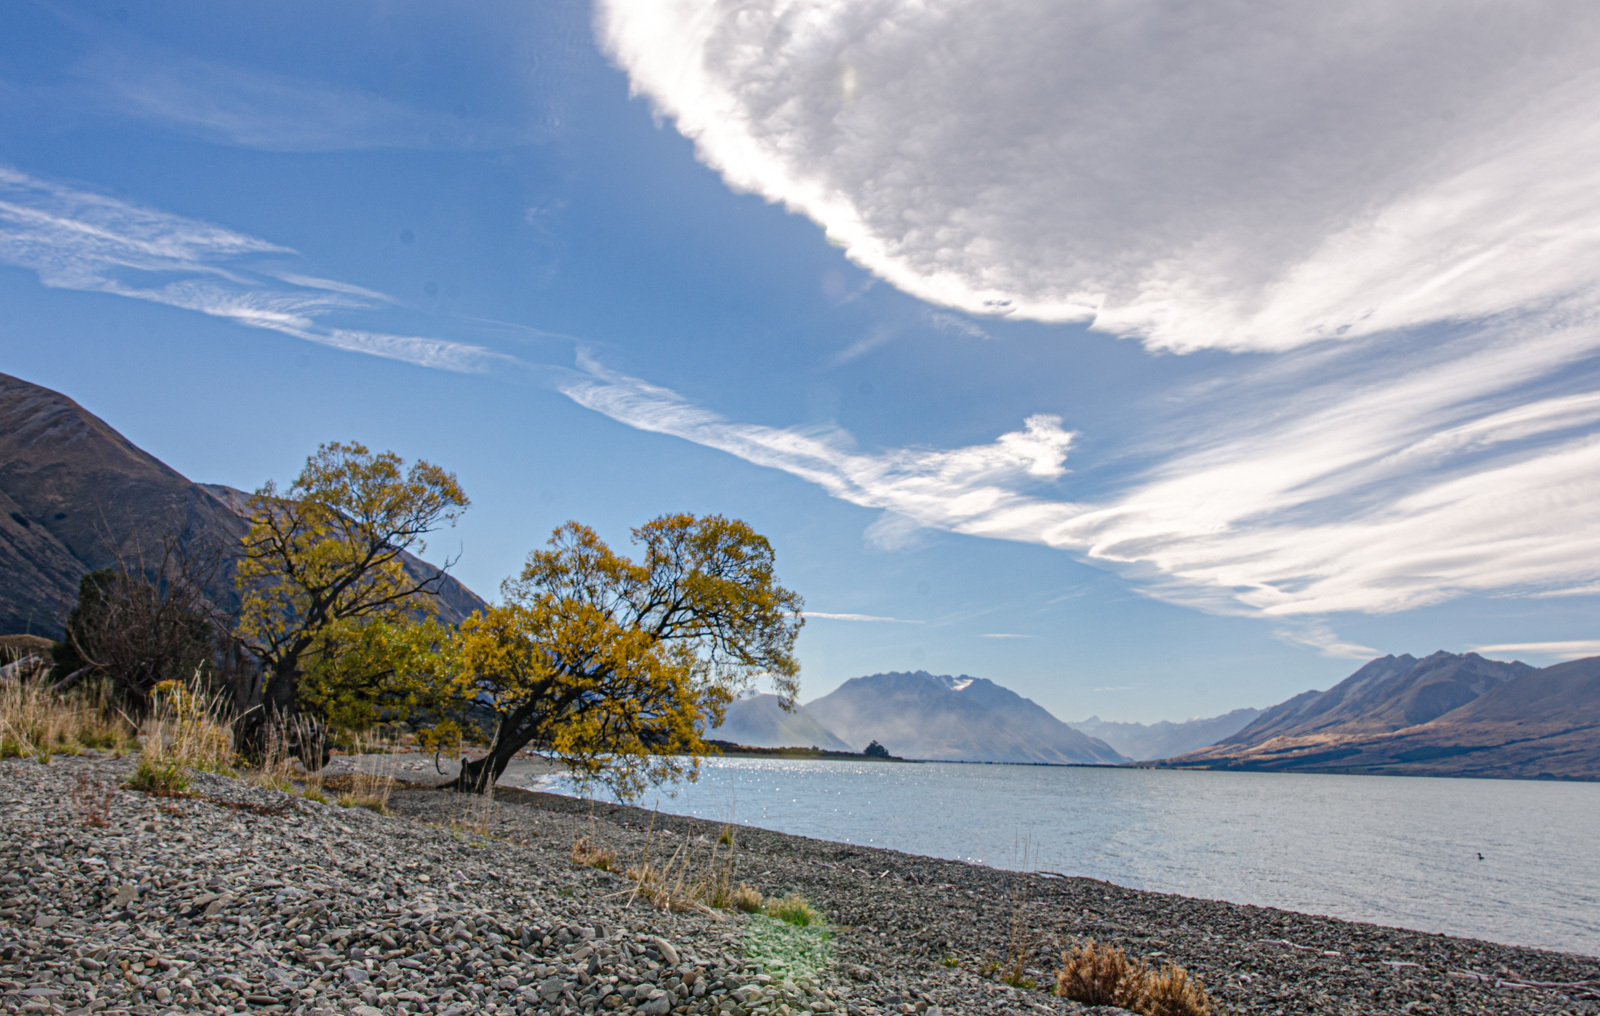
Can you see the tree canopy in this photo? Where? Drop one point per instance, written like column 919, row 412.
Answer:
column 323, row 565
column 619, row 666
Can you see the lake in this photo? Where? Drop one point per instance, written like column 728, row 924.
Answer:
column 1390, row 850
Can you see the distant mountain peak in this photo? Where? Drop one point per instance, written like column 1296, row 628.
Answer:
column 916, row 714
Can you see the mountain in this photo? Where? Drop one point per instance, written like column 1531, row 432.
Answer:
column 1144, row 741
column 923, row 716
column 757, row 721
column 1387, row 694
column 74, row 494
column 1446, row 715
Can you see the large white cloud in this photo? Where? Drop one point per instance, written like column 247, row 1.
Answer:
column 1232, row 174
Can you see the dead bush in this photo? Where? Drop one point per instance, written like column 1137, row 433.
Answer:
column 1092, row 974
column 592, row 855
column 1173, row 991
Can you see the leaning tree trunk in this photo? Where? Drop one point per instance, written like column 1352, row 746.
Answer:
column 478, row 776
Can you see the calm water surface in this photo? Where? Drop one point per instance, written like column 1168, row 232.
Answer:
column 1390, row 850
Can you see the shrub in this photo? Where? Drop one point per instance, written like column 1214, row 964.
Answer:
column 1174, row 992
column 162, row 777
column 794, row 909
column 1094, row 975
column 592, row 855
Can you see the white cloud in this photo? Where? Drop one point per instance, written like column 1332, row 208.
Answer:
column 1573, row 650
column 857, row 617
column 1242, row 176
column 1347, row 484
column 1005, row 635
column 75, row 239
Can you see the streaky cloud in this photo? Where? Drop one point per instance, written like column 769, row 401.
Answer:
column 871, row 618
column 1467, row 465
column 76, row 239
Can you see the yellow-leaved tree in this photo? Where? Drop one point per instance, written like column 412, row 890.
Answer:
column 619, row 666
column 328, row 608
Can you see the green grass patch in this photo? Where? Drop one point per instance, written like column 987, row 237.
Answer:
column 161, row 777
column 788, row 950
column 793, row 909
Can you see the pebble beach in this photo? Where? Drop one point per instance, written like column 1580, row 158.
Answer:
column 243, row 898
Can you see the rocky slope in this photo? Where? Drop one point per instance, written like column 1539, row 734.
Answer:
column 1144, row 741
column 75, row 495
column 923, row 716
column 760, row 722
column 1446, row 715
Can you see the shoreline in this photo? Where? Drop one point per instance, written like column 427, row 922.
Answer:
column 907, row 929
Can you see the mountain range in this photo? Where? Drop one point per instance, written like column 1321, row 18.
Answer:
column 1145, row 741
column 1444, row 715
column 758, row 721
column 922, row 716
column 76, row 496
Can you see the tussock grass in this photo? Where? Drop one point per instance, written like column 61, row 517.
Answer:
column 188, row 726
column 161, row 777
column 794, row 909
column 689, row 881
column 1093, row 974
column 36, row 723
column 591, row 855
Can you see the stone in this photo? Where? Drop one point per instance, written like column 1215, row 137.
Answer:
column 669, row 955
column 356, row 975
column 658, row 1006
column 126, row 894
column 366, row 1010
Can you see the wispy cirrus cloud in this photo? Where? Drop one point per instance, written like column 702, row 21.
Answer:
column 870, row 618
column 1575, row 649
column 1351, row 485
column 76, row 239
column 1242, row 177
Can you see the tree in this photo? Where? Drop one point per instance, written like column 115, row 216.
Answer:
column 143, row 622
column 619, row 666
column 323, row 562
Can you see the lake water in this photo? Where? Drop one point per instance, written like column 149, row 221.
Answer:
column 1390, row 850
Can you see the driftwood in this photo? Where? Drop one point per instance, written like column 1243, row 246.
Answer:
column 70, row 680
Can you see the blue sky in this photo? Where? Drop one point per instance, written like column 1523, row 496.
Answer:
column 1151, row 365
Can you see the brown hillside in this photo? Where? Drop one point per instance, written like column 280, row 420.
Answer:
column 74, row 494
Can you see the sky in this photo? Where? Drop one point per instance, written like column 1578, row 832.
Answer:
column 1149, row 359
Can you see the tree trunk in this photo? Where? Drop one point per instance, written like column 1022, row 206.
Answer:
column 479, row 776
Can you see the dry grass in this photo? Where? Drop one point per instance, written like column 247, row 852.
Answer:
column 188, row 726
column 589, row 854
column 372, row 782
column 689, row 881
column 36, row 723
column 1021, row 936
column 1173, row 991
column 1093, row 974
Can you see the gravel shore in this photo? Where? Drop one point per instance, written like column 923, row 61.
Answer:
column 241, row 898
